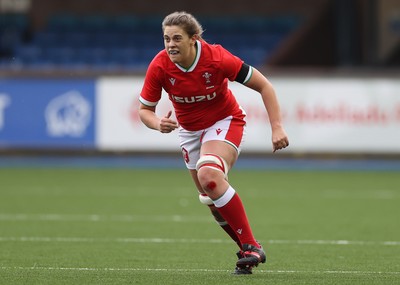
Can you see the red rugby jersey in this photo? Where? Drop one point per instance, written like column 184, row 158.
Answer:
column 200, row 94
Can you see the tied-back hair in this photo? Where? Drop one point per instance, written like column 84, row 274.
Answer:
column 186, row 21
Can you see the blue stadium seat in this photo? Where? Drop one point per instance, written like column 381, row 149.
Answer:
column 123, row 55
column 28, row 53
column 125, row 23
column 255, row 56
column 76, row 39
column 59, row 55
column 108, row 39
column 64, row 23
column 47, row 39
column 95, row 23
column 131, row 41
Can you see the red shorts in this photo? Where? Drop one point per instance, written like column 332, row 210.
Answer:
column 231, row 130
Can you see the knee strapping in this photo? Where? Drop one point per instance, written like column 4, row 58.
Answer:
column 213, row 161
column 204, row 199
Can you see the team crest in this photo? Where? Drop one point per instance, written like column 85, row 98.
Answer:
column 207, row 76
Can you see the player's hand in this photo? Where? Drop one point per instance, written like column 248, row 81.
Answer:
column 167, row 125
column 279, row 139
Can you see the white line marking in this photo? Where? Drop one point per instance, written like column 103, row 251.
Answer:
column 205, row 241
column 133, row 218
column 337, row 242
column 103, row 218
column 200, row 270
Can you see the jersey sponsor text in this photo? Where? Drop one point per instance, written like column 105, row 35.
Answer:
column 193, row 99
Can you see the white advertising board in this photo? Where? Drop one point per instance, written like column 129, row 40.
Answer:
column 330, row 115
column 320, row 115
column 118, row 123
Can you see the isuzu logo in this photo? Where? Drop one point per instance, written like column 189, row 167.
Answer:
column 193, row 99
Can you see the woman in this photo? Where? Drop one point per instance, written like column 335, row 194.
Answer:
column 211, row 123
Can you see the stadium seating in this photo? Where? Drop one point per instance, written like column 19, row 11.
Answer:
column 128, row 42
column 13, row 30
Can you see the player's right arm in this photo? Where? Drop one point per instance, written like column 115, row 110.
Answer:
column 149, row 97
column 148, row 116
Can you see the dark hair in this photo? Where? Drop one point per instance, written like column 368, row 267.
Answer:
column 184, row 20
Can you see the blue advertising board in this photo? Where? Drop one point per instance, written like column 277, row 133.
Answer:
column 50, row 114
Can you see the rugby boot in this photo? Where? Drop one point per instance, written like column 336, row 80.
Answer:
column 252, row 256
column 239, row 270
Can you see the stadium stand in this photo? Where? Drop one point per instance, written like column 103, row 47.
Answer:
column 13, row 33
column 128, row 42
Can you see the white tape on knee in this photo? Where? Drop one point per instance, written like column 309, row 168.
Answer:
column 213, row 161
column 204, row 199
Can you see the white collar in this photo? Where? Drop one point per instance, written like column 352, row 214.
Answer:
column 196, row 59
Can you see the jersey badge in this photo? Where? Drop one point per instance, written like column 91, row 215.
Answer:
column 207, row 77
column 172, row 80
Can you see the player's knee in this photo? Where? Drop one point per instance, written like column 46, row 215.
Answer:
column 214, row 162
column 205, row 176
column 209, row 169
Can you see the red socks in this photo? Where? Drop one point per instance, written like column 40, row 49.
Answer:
column 231, row 208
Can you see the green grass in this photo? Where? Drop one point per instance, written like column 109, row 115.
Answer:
column 130, row 226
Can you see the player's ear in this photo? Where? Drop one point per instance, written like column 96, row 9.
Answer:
column 194, row 38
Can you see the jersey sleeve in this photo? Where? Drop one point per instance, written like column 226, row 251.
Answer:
column 152, row 87
column 231, row 64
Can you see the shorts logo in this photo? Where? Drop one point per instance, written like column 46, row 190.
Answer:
column 218, row 131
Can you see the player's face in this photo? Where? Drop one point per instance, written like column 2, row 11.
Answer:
column 179, row 46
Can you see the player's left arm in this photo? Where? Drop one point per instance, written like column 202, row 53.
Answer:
column 258, row 82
